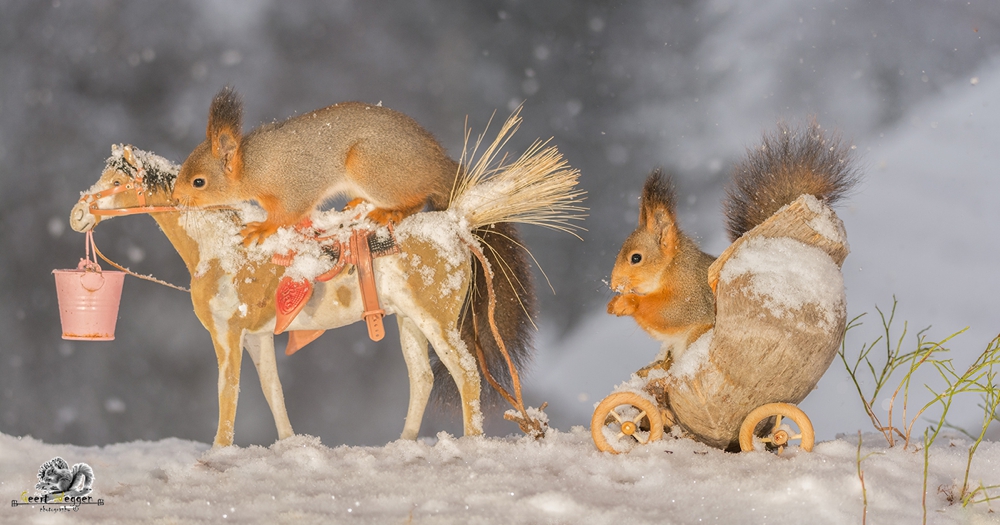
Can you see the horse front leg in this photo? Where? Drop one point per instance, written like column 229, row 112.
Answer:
column 261, row 350
column 418, row 366
column 229, row 352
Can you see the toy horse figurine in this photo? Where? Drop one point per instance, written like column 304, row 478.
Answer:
column 430, row 285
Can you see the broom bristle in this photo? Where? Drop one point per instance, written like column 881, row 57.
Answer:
column 539, row 187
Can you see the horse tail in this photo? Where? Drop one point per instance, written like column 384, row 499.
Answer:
column 514, row 314
column 492, row 195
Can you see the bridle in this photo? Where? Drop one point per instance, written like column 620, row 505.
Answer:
column 137, row 185
column 140, row 190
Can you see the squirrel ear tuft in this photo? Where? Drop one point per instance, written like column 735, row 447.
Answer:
column 225, row 124
column 656, row 206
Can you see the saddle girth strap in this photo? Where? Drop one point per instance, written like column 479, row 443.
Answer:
column 373, row 312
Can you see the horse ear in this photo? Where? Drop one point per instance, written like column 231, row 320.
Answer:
column 225, row 124
column 130, row 157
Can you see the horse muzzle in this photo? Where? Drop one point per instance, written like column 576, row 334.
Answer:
column 80, row 218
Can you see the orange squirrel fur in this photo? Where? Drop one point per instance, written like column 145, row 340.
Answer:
column 660, row 273
column 363, row 151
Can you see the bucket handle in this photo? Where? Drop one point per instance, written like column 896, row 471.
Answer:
column 89, row 263
column 92, row 279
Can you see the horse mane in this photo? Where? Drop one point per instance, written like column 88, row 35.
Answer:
column 160, row 173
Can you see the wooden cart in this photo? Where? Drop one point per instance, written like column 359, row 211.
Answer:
column 780, row 317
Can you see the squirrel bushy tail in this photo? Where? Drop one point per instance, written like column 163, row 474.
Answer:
column 787, row 164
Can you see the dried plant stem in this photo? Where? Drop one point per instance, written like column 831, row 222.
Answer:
column 923, row 486
column 991, row 402
column 979, row 378
column 927, row 352
column 529, row 425
column 864, row 491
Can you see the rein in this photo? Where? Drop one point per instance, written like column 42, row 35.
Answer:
column 138, row 186
column 530, row 425
column 150, row 278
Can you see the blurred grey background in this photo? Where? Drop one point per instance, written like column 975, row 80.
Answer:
column 621, row 87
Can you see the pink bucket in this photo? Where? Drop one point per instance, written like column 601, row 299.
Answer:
column 88, row 299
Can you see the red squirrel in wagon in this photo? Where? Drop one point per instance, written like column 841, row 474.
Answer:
column 661, row 275
column 364, row 151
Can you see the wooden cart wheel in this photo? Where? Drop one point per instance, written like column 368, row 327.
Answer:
column 779, row 434
column 623, row 420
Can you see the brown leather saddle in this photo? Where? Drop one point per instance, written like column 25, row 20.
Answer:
column 360, row 252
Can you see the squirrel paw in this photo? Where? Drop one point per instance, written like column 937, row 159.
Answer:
column 256, row 232
column 623, row 305
column 384, row 216
column 354, row 203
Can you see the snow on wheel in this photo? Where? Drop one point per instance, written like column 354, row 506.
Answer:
column 623, row 420
column 776, row 434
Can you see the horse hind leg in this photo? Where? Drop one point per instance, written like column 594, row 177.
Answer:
column 261, row 350
column 464, row 370
column 418, row 367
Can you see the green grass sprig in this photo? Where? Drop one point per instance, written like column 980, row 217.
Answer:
column 926, row 352
column 979, row 378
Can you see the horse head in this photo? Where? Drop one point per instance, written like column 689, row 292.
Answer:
column 133, row 181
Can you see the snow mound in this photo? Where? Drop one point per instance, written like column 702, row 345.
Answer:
column 559, row 479
column 693, row 359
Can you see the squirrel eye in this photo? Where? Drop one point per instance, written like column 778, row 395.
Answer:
column 636, row 258
column 198, row 183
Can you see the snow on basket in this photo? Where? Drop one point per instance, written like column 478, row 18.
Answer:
column 88, row 299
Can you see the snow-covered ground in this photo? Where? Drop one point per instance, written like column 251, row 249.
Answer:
column 559, row 479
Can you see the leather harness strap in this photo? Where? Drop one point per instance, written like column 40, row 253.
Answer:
column 373, row 312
